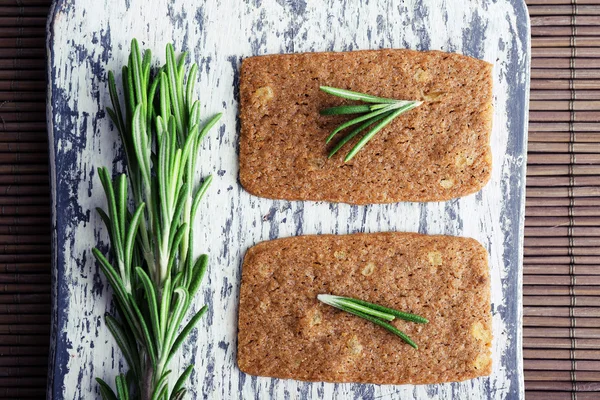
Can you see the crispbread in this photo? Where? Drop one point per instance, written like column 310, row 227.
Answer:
column 285, row 332
column 438, row 151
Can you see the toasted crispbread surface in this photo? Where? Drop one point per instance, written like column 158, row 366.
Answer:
column 438, row 151
column 285, row 332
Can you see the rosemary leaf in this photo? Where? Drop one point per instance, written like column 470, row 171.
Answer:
column 343, row 304
column 355, row 132
column 365, row 139
column 385, row 325
column 357, row 120
column 343, row 110
column 402, row 315
column 105, row 391
column 350, row 95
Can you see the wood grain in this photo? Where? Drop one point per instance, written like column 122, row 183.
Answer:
column 218, row 34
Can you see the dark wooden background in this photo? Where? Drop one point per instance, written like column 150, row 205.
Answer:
column 562, row 256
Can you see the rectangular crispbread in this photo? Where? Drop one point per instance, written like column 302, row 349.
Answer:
column 285, row 332
column 438, row 151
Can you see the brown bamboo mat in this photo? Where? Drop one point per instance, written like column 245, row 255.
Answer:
column 24, row 201
column 562, row 227
column 561, row 336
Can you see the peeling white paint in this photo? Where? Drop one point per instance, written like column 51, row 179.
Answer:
column 89, row 38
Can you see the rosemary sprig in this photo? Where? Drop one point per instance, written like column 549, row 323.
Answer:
column 151, row 269
column 373, row 312
column 379, row 114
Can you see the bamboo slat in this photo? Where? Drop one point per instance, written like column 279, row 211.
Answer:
column 18, row 137
column 558, row 84
column 540, row 290
column 550, row 260
column 547, row 395
column 24, row 268
column 24, row 258
column 29, row 239
column 564, row 137
column 585, row 376
column 564, row 63
column 564, row 127
column 20, row 116
column 17, row 361
column 21, row 11
column 553, row 365
column 24, row 278
column 562, row 221
column 24, row 308
column 555, row 94
column 19, row 75
column 578, row 386
column 529, row 241
column 558, row 181
column 564, row 20
column 24, row 319
column 25, row 249
column 541, row 105
column 23, row 340
column 10, row 32
column 23, row 158
column 23, row 180
column 557, row 170
column 561, row 10
column 562, row 212
column 33, row 3
column 561, row 251
column 562, row 159
column 570, row 41
column 551, row 322
column 562, row 116
column 562, row 355
column 25, row 298
column 35, row 329
column 23, row 372
column 24, row 210
column 551, row 202
column 564, row 312
column 564, row 192
column 559, row 270
column 35, row 147
column 26, row 392
column 559, row 343
column 22, row 21
column 541, row 31
column 544, row 332
column 564, row 301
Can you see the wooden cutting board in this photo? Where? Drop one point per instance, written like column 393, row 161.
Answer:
column 85, row 40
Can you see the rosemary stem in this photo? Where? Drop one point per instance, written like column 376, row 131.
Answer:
column 343, row 304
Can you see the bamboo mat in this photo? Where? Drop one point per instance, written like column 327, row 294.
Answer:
column 562, row 225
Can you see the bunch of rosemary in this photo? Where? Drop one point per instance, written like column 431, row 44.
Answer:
column 152, row 269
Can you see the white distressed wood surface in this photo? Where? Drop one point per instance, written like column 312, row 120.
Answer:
column 88, row 38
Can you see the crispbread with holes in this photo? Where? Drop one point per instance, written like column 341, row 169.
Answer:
column 437, row 151
column 285, row 332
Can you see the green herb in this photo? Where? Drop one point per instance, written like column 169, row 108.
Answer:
column 381, row 113
column 374, row 313
column 151, row 269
